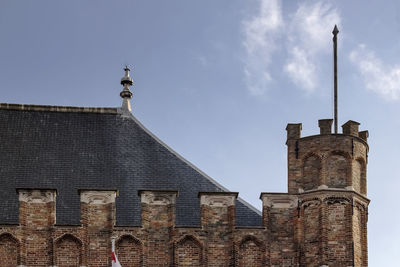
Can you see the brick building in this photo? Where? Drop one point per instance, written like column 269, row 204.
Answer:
column 75, row 178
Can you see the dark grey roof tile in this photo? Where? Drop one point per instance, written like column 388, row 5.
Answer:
column 73, row 150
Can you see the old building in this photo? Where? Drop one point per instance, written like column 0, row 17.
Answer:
column 73, row 179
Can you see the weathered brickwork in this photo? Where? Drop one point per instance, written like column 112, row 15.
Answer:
column 321, row 221
column 188, row 252
column 9, row 248
column 129, row 251
column 311, row 172
column 68, row 251
column 251, row 253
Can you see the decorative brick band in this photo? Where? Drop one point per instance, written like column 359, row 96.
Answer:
column 37, row 195
column 156, row 197
column 98, row 196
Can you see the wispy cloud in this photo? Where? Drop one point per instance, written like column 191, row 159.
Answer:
column 304, row 35
column 308, row 38
column 301, row 69
column 260, row 35
column 381, row 78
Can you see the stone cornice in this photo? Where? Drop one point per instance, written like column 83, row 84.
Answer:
column 37, row 195
column 218, row 199
column 155, row 197
column 98, row 196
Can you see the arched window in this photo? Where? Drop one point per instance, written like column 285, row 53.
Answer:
column 188, row 252
column 311, row 172
column 129, row 251
column 68, row 251
column 9, row 250
column 362, row 174
column 338, row 229
column 311, row 233
column 358, row 177
column 337, row 171
column 251, row 253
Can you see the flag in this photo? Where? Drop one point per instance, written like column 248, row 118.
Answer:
column 115, row 262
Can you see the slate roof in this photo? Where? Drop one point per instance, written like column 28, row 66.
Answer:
column 70, row 148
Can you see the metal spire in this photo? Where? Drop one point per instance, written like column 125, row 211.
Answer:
column 126, row 94
column 335, row 32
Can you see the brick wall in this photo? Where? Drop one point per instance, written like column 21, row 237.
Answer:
column 321, row 221
column 67, row 251
column 310, row 229
column 129, row 251
column 9, row 250
column 326, row 160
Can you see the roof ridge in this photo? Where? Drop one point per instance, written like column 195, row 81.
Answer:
column 48, row 108
column 244, row 202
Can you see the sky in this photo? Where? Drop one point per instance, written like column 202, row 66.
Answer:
column 219, row 80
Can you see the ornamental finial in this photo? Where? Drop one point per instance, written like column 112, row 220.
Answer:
column 126, row 94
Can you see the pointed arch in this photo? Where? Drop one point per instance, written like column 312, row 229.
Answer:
column 188, row 251
column 338, row 169
column 129, row 250
column 251, row 252
column 9, row 250
column 311, row 227
column 312, row 165
column 68, row 251
column 338, row 228
column 359, row 179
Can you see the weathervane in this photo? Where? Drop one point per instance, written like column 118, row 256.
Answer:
column 335, row 32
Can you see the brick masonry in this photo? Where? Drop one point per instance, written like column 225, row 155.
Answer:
column 321, row 221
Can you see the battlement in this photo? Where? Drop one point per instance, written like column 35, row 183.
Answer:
column 327, row 160
column 325, row 125
column 292, row 223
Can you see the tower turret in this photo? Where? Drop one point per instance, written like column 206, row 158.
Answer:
column 327, row 173
column 334, row 161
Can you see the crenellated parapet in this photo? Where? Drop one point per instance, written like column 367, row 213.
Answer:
column 327, row 160
column 158, row 208
column 311, row 228
column 158, row 241
column 280, row 221
column 217, row 209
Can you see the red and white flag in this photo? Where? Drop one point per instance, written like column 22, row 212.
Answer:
column 115, row 262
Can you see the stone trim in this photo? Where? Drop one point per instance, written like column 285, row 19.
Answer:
column 154, row 197
column 218, row 199
column 37, row 195
column 98, row 196
column 276, row 201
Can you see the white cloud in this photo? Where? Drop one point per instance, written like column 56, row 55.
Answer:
column 300, row 69
column 312, row 25
column 308, row 38
column 260, row 34
column 381, row 78
column 305, row 36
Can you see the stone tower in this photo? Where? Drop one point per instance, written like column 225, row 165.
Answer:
column 327, row 173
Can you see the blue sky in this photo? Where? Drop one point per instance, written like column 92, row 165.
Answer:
column 219, row 80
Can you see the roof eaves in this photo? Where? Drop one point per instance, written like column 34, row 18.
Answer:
column 44, row 108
